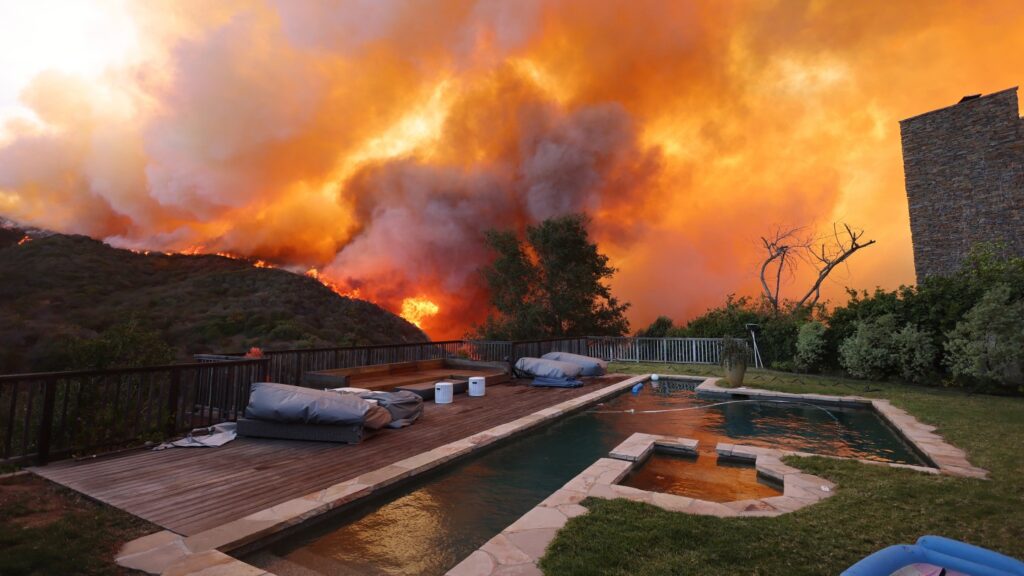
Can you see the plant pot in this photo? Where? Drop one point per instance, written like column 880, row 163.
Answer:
column 734, row 374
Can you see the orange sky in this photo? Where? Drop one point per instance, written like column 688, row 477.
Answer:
column 375, row 140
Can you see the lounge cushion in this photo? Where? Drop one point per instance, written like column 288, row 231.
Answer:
column 296, row 405
column 590, row 366
column 377, row 417
column 405, row 407
column 547, row 368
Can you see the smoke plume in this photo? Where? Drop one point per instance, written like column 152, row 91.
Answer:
column 377, row 140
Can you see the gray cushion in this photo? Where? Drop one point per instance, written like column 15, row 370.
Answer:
column 548, row 368
column 590, row 366
column 296, row 405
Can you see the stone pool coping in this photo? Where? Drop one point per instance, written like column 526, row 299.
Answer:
column 520, row 546
column 948, row 459
column 203, row 554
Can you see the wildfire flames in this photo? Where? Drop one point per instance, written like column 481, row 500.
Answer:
column 372, row 143
column 416, row 310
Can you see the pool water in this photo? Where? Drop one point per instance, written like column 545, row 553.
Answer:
column 704, row 477
column 434, row 522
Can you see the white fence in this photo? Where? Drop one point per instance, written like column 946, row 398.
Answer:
column 667, row 350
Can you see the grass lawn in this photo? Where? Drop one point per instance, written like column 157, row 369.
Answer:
column 48, row 530
column 873, row 507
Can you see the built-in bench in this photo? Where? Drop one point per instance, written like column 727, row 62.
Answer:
column 417, row 376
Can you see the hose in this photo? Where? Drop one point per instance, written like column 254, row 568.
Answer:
column 687, row 408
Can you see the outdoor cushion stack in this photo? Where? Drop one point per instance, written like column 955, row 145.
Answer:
column 297, row 413
column 560, row 369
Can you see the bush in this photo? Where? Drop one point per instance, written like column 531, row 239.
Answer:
column 777, row 340
column 935, row 306
column 810, row 347
column 988, row 344
column 869, row 352
column 658, row 329
column 915, row 353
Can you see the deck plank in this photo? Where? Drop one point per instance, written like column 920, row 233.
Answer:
column 189, row 490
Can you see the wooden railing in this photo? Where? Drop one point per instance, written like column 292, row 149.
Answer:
column 44, row 415
column 53, row 414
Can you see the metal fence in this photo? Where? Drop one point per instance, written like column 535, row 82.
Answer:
column 47, row 415
column 54, row 414
column 663, row 350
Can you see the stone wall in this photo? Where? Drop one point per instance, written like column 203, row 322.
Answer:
column 964, row 169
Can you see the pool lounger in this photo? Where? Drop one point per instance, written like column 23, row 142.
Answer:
column 295, row 413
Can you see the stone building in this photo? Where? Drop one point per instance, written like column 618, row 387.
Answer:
column 964, row 170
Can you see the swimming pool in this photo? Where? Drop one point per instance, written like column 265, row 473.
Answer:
column 430, row 524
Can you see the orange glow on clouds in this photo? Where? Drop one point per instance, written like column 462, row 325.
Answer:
column 374, row 142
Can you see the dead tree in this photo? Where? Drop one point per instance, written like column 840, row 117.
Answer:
column 825, row 256
column 780, row 247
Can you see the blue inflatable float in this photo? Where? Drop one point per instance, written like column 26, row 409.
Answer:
column 941, row 552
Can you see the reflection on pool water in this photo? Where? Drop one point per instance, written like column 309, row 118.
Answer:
column 432, row 523
column 704, row 477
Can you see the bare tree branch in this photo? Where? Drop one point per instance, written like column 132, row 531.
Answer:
column 831, row 256
column 784, row 245
column 779, row 247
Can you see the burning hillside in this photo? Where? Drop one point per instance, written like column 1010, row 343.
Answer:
column 374, row 142
column 58, row 287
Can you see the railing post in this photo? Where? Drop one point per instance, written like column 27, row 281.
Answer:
column 174, row 390
column 46, row 424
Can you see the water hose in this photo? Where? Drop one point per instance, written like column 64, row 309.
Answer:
column 687, row 408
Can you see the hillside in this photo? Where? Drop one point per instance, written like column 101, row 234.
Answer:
column 59, row 286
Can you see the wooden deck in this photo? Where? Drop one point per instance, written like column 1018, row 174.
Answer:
column 188, row 490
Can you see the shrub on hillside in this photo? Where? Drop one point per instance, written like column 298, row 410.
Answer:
column 915, row 353
column 810, row 347
column 869, row 352
column 126, row 345
column 988, row 344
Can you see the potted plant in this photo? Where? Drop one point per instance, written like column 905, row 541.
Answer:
column 734, row 359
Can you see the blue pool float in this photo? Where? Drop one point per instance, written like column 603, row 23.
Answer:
column 638, row 387
column 938, row 551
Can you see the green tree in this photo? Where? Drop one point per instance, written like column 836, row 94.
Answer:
column 551, row 285
column 660, row 328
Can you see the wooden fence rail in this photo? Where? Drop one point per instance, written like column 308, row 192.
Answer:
column 47, row 415
column 44, row 415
